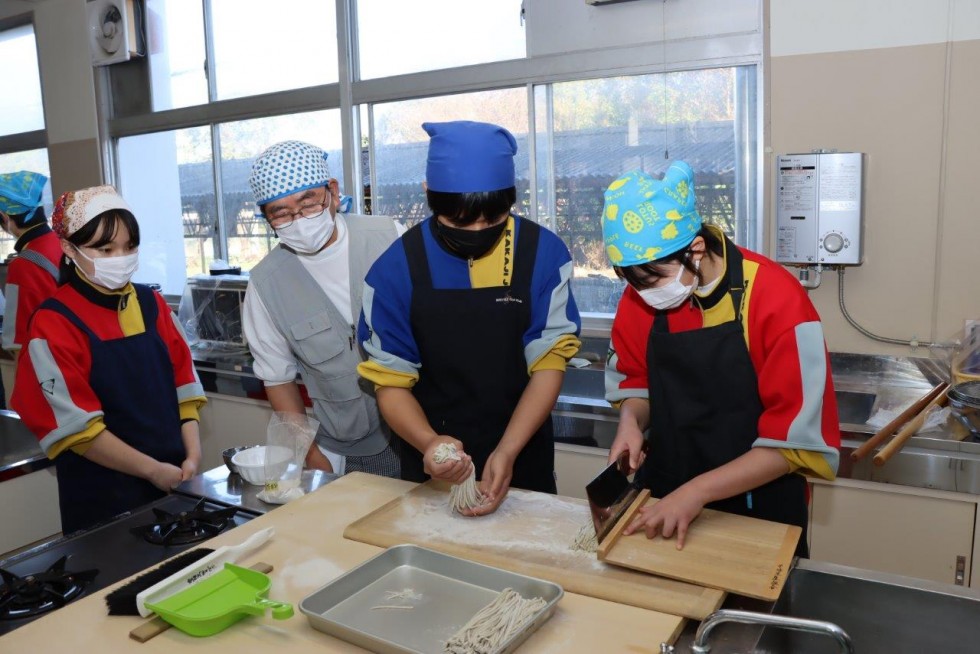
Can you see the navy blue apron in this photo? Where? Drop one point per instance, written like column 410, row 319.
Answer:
column 134, row 380
column 471, row 346
column 705, row 409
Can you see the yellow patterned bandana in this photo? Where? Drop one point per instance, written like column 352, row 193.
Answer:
column 645, row 219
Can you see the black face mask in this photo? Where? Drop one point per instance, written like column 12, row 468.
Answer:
column 469, row 243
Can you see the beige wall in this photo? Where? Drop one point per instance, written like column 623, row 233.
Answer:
column 848, row 82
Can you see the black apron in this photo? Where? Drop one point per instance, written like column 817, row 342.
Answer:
column 704, row 412
column 471, row 346
column 134, row 380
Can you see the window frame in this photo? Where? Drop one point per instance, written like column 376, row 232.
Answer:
column 37, row 139
column 351, row 94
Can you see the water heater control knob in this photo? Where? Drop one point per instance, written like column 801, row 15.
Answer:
column 833, row 243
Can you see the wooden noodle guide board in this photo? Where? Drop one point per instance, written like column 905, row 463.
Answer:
column 722, row 550
column 531, row 533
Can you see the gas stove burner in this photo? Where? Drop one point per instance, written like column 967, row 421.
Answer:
column 185, row 527
column 24, row 597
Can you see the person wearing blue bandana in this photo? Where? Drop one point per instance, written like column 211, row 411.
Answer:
column 302, row 302
column 32, row 276
column 717, row 363
column 469, row 321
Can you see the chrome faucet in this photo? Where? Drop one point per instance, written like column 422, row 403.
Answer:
column 701, row 646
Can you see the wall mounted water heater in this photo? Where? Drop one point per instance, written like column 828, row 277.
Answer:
column 819, row 208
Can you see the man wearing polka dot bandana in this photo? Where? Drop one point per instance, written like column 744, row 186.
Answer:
column 303, row 300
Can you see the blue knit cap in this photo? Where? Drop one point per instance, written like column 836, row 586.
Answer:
column 286, row 168
column 20, row 193
column 645, row 219
column 469, row 157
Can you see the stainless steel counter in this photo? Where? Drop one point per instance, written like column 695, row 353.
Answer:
column 222, row 486
column 20, row 452
column 881, row 612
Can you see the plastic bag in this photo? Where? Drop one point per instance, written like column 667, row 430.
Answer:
column 288, row 438
column 210, row 313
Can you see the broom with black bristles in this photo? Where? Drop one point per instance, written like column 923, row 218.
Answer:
column 176, row 574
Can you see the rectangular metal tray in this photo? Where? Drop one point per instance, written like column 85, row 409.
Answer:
column 444, row 591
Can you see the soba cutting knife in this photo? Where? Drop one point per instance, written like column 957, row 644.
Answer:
column 610, row 494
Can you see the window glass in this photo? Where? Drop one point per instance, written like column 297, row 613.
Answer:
column 20, row 103
column 37, row 161
column 590, row 132
column 168, row 180
column 177, row 53
column 262, row 46
column 249, row 236
column 400, row 145
column 436, row 34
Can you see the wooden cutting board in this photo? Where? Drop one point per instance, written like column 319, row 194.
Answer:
column 722, row 550
column 531, row 533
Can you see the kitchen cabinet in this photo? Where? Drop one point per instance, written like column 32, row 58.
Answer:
column 576, row 466
column 227, row 421
column 8, row 369
column 975, row 568
column 907, row 531
column 28, row 509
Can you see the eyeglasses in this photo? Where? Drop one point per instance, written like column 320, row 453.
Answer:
column 284, row 217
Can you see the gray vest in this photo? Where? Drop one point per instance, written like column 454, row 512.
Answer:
column 325, row 346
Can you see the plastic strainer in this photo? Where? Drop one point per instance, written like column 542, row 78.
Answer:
column 214, row 604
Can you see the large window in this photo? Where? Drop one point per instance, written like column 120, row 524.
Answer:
column 248, row 234
column 400, row 145
column 169, row 178
column 590, row 132
column 177, row 53
column 236, row 76
column 20, row 103
column 21, row 113
column 256, row 47
column 262, row 46
column 436, row 34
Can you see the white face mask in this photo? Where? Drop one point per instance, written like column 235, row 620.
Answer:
column 307, row 235
column 111, row 272
column 671, row 294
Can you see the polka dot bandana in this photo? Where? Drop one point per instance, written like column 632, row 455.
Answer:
column 287, row 168
column 20, row 192
column 75, row 209
column 645, row 219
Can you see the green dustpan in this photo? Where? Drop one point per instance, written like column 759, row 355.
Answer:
column 221, row 600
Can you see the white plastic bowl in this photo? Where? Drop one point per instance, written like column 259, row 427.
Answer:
column 251, row 463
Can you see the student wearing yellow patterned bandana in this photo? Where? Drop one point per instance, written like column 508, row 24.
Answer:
column 717, row 363
column 106, row 381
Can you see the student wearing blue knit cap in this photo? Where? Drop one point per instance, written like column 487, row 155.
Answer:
column 33, row 274
column 469, row 321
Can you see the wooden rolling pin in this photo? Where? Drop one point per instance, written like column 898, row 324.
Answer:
column 909, row 430
column 885, row 432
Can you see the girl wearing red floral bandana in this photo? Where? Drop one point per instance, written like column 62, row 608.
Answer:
column 106, row 379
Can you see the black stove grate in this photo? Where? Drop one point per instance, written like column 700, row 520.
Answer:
column 115, row 551
column 185, row 527
column 30, row 595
